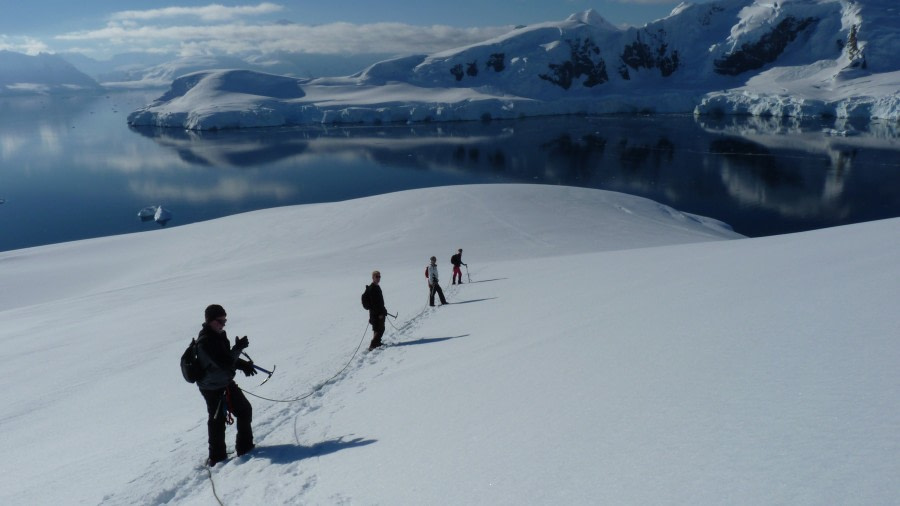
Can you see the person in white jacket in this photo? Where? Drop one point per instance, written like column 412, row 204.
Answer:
column 434, row 285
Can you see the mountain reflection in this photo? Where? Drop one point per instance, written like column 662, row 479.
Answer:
column 749, row 172
column 244, row 148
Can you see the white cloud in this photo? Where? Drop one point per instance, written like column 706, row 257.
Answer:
column 210, row 13
column 27, row 45
column 649, row 2
column 334, row 38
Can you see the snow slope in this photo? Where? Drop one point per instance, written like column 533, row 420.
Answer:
column 609, row 350
column 789, row 58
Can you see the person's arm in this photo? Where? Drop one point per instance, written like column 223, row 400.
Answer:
column 221, row 356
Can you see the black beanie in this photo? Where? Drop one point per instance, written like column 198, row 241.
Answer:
column 214, row 311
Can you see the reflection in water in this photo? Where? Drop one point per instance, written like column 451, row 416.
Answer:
column 754, row 176
column 820, row 161
column 762, row 176
column 253, row 147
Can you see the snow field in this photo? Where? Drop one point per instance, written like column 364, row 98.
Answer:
column 599, row 356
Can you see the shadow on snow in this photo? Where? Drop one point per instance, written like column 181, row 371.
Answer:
column 286, row 453
column 427, row 340
column 470, row 301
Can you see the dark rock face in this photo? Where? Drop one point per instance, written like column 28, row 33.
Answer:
column 457, row 71
column 496, row 62
column 471, row 68
column 580, row 64
column 640, row 54
column 765, row 50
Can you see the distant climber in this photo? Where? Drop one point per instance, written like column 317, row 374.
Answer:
column 434, row 286
column 456, row 260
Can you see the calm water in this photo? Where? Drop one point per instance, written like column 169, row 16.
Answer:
column 70, row 168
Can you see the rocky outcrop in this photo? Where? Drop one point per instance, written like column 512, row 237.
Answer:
column 765, row 50
column 640, row 54
column 581, row 64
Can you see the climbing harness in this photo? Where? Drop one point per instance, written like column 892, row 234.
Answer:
column 227, row 409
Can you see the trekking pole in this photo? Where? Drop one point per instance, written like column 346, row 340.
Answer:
column 392, row 315
column 260, row 369
column 469, row 278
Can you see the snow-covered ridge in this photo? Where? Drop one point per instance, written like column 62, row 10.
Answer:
column 44, row 73
column 790, row 58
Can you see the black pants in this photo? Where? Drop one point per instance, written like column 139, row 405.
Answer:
column 436, row 288
column 243, row 412
column 377, row 323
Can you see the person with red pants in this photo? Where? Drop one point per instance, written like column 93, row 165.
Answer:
column 220, row 362
column 456, row 260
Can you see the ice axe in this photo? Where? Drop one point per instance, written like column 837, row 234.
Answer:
column 260, row 369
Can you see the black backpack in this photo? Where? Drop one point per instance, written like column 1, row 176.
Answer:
column 190, row 364
column 365, row 299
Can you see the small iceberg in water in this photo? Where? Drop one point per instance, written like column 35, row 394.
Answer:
column 162, row 215
column 158, row 214
column 147, row 213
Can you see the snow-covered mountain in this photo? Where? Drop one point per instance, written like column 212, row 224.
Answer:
column 145, row 70
column 789, row 58
column 43, row 73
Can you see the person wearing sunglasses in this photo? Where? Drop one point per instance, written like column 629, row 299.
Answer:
column 220, row 361
column 377, row 311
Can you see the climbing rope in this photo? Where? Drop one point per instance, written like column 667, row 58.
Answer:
column 314, row 390
column 311, row 392
column 318, row 387
column 213, row 483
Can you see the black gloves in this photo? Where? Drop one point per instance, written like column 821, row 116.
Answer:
column 241, row 343
column 248, row 369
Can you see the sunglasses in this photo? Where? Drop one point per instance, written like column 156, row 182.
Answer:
column 222, row 320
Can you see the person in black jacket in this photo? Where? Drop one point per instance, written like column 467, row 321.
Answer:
column 220, row 361
column 377, row 311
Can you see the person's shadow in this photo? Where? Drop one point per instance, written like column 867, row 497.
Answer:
column 426, row 340
column 287, row 453
column 471, row 301
column 470, row 282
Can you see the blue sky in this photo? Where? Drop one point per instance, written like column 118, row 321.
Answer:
column 105, row 27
